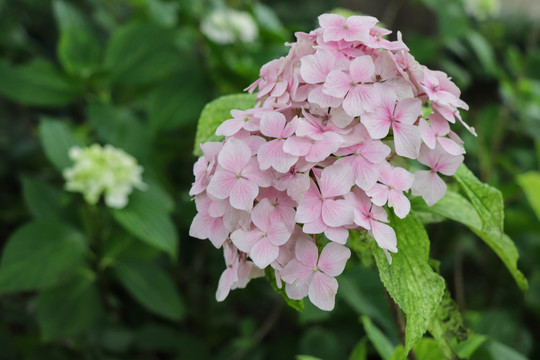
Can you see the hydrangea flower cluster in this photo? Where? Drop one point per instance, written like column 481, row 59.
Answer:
column 320, row 153
column 103, row 170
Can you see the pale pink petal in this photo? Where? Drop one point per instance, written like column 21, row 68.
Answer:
column 278, row 234
column 308, row 127
column 244, row 240
column 243, row 193
column 378, row 194
column 427, row 134
column 336, row 180
column 271, row 154
column 406, row 139
column 297, row 146
column 337, row 212
column 377, row 124
column 263, row 253
column 399, row 203
column 362, row 69
column 333, row 259
column 408, row 111
column 261, row 215
column 297, row 292
column 320, row 150
column 375, row 151
column 322, row 291
column 272, row 124
column 315, row 227
column 199, row 227
column 226, row 280
column 317, row 96
column 448, row 164
column 315, row 68
column 307, row 253
column 384, row 235
column 337, row 234
column 217, row 232
column 337, row 84
column 402, row 180
column 339, row 117
column 254, row 173
column 310, row 208
column 221, row 184
column 429, row 185
column 229, row 127
column 365, row 173
column 234, row 155
column 451, row 146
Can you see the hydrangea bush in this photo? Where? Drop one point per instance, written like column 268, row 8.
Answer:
column 323, row 152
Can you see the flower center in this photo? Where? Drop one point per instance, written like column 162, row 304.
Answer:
column 315, row 269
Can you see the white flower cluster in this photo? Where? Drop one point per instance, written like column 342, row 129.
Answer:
column 103, row 170
column 225, row 26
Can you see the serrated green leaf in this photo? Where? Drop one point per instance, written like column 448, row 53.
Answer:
column 488, row 203
column 216, row 112
column 40, row 254
column 37, row 83
column 140, row 53
column 78, row 49
column 69, row 308
column 42, row 200
column 530, row 183
column 410, row 280
column 151, row 287
column 57, row 139
column 381, row 343
column 297, row 305
column 149, row 220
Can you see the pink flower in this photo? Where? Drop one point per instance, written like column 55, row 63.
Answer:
column 241, row 120
column 395, row 181
column 206, row 226
column 309, row 274
column 271, row 154
column 238, row 176
column 356, row 87
column 400, row 116
column 205, row 166
column 262, row 242
column 436, row 131
column 316, row 146
column 440, row 89
column 427, row 183
column 353, row 28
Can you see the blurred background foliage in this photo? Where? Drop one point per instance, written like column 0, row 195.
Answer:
column 81, row 281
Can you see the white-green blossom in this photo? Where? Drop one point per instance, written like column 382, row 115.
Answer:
column 104, row 170
column 225, row 26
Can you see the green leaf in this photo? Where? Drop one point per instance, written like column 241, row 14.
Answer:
column 410, row 280
column 216, row 112
column 360, row 350
column 79, row 49
column 530, row 183
column 483, row 51
column 37, row 83
column 42, row 200
column 466, row 349
column 307, row 357
column 57, row 139
column 500, row 351
column 447, row 327
column 488, row 203
column 297, row 305
column 148, row 219
column 69, row 308
column 381, row 343
column 151, row 287
column 39, row 254
column 140, row 53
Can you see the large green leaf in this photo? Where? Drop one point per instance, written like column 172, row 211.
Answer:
column 148, row 219
column 140, row 53
column 42, row 200
column 410, row 280
column 69, row 308
column 57, row 139
column 216, row 112
column 37, row 83
column 151, row 287
column 530, row 182
column 78, row 49
column 39, row 254
column 381, row 343
column 488, row 203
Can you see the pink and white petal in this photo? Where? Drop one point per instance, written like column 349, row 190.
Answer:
column 339, row 117
column 336, row 180
column 306, row 252
column 402, row 180
column 243, row 193
column 272, row 124
column 199, row 226
column 310, row 208
column 337, row 84
column 297, row 146
column 244, row 240
column 272, row 155
column 399, row 203
column 261, row 214
column 297, row 292
column 263, row 253
column 234, row 155
column 407, row 140
column 384, row 235
column 217, row 233
column 221, row 184
column 229, row 127
column 317, row 96
column 378, row 194
column 375, row 151
column 298, row 186
column 362, row 69
column 320, row 150
column 337, row 234
column 376, row 123
column 296, row 273
column 365, row 173
column 408, row 111
column 429, row 185
column 278, row 234
column 315, row 227
column 451, row 146
column 322, row 291
column 337, row 213
column 333, row 259
column 226, row 281
column 254, row 173
column 427, row 134
column 309, row 128
column 448, row 164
